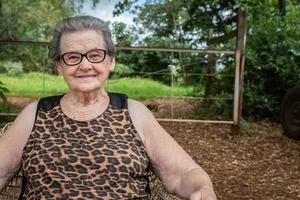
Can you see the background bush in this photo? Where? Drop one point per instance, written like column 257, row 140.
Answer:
column 12, row 68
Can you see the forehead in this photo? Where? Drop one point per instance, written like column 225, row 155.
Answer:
column 81, row 41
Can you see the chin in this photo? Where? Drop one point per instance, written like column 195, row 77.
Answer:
column 87, row 88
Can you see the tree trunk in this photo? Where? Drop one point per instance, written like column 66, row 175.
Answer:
column 211, row 64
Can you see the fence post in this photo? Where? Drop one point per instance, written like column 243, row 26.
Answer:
column 239, row 75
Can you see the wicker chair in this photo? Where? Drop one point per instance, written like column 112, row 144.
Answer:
column 13, row 188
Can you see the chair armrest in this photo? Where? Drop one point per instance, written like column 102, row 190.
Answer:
column 158, row 192
column 4, row 128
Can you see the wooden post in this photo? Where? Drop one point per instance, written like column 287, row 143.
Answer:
column 239, row 75
column 236, row 90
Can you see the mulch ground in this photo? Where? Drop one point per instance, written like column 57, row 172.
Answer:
column 260, row 165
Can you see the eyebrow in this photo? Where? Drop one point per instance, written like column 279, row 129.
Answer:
column 81, row 52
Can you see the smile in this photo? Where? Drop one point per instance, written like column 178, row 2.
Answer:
column 86, row 76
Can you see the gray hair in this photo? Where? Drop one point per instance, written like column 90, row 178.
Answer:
column 79, row 23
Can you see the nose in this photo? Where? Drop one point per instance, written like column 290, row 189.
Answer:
column 85, row 64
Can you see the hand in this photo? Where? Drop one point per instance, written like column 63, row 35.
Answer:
column 205, row 193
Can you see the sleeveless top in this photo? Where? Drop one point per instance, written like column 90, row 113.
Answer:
column 102, row 158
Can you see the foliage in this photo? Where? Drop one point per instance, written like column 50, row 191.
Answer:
column 3, row 90
column 161, row 24
column 272, row 59
column 9, row 107
column 121, row 70
column 246, row 129
column 140, row 61
column 272, row 50
column 175, row 70
column 123, row 37
column 12, row 68
column 25, row 20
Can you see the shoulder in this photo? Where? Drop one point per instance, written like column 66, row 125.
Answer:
column 142, row 119
column 20, row 129
column 136, row 105
column 139, row 111
column 139, row 114
column 27, row 115
column 29, row 109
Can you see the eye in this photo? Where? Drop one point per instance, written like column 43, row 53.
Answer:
column 72, row 57
column 96, row 55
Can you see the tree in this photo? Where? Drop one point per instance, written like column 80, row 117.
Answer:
column 272, row 59
column 162, row 23
column 32, row 21
column 272, row 50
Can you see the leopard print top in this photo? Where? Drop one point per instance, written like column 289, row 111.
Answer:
column 102, row 158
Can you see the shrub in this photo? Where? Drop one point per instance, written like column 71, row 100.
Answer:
column 2, row 90
column 7, row 107
column 13, row 68
column 120, row 71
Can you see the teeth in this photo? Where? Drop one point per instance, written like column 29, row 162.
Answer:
column 86, row 76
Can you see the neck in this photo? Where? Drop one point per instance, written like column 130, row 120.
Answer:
column 85, row 98
column 84, row 106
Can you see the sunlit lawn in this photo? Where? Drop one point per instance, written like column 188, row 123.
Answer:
column 40, row 84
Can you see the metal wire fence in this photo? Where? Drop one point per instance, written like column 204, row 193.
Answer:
column 189, row 105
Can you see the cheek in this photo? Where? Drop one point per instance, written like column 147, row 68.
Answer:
column 68, row 76
column 68, row 79
column 103, row 75
column 102, row 69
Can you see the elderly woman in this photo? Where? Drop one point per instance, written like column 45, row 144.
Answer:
column 89, row 143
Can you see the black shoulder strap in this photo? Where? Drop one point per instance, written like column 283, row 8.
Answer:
column 47, row 103
column 118, row 100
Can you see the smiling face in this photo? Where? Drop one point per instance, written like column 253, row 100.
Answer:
column 85, row 76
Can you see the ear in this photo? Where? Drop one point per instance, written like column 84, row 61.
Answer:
column 58, row 67
column 112, row 64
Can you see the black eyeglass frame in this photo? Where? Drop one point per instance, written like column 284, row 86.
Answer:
column 83, row 55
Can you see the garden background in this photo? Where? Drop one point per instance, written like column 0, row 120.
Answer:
column 259, row 163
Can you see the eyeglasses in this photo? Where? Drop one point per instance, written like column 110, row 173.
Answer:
column 74, row 58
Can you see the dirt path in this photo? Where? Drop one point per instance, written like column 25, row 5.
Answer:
column 21, row 101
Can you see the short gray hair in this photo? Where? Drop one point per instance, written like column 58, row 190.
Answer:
column 79, row 23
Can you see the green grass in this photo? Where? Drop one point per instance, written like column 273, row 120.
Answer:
column 36, row 84
column 140, row 88
column 33, row 84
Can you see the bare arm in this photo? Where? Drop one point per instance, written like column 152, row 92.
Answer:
column 176, row 169
column 13, row 142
